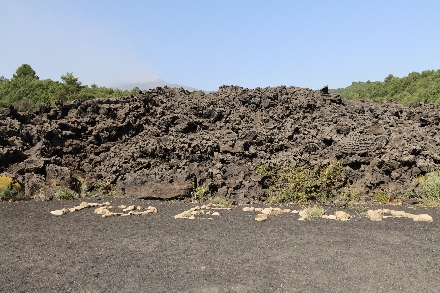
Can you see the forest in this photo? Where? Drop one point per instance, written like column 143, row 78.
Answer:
column 414, row 88
column 26, row 91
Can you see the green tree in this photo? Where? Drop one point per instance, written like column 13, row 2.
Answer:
column 389, row 78
column 70, row 87
column 25, row 70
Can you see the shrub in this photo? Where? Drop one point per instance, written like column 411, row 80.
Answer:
column 313, row 212
column 198, row 193
column 429, row 188
column 221, row 201
column 105, row 188
column 63, row 193
column 41, row 195
column 382, row 197
column 301, row 185
column 10, row 190
column 351, row 195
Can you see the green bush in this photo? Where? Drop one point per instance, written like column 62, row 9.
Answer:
column 9, row 190
column 382, row 197
column 295, row 184
column 63, row 193
column 428, row 188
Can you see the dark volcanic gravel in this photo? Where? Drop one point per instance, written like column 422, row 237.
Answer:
column 82, row 252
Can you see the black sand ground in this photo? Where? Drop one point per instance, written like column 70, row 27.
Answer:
column 82, row 252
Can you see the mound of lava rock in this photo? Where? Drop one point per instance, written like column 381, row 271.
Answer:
column 162, row 143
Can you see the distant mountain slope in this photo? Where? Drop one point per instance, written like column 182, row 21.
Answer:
column 151, row 85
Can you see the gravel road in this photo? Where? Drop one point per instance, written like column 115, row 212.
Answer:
column 83, row 252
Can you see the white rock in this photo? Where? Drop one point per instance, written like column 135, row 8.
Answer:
column 248, row 209
column 152, row 209
column 341, row 215
column 286, row 211
column 58, row 212
column 84, row 205
column 215, row 214
column 258, row 209
column 130, row 208
column 423, row 218
column 375, row 215
column 267, row 211
column 122, row 206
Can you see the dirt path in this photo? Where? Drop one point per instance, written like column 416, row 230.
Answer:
column 84, row 252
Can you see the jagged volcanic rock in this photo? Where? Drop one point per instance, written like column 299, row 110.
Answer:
column 155, row 144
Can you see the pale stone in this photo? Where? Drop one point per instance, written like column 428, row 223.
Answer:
column 84, row 205
column 341, row 215
column 267, row 211
column 423, row 218
column 216, row 214
column 248, row 209
column 258, row 209
column 203, row 207
column 208, row 212
column 286, row 211
column 110, row 214
column 58, row 212
column 375, row 215
column 139, row 208
column 129, row 208
column 122, row 206
column 400, row 214
column 152, row 209
column 294, row 212
column 72, row 210
column 101, row 211
column 93, row 204
column 107, row 203
column 302, row 213
column 261, row 217
column 192, row 218
column 125, row 215
column 324, row 217
column 331, row 217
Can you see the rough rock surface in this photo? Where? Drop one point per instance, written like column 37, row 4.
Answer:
column 156, row 144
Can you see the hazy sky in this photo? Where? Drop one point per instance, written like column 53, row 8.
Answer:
column 205, row 44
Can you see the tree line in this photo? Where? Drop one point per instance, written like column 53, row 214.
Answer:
column 414, row 88
column 26, row 91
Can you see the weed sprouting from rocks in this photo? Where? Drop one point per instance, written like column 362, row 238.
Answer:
column 198, row 193
column 63, row 193
column 296, row 184
column 383, row 197
column 428, row 188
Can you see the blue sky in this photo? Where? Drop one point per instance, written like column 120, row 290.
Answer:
column 205, row 44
